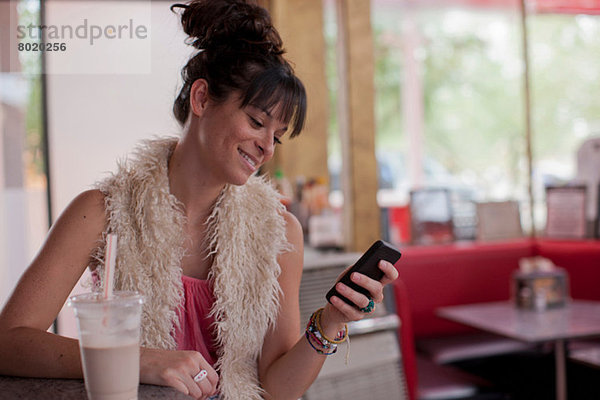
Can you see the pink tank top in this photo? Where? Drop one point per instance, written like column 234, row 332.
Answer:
column 196, row 330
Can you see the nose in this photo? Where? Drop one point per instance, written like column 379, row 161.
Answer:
column 267, row 146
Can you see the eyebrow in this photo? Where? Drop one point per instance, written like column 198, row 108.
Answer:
column 266, row 112
column 284, row 129
column 261, row 109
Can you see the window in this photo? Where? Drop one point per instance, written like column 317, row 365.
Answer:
column 564, row 58
column 23, row 184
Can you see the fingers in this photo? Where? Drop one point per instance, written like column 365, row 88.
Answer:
column 374, row 287
column 177, row 384
column 359, row 299
column 206, row 381
column 210, row 375
column 350, row 313
column 195, row 389
column 391, row 273
column 178, row 370
column 199, row 388
column 213, row 378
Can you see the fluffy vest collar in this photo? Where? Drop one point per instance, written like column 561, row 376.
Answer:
column 246, row 232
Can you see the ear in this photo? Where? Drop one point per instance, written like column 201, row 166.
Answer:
column 199, row 96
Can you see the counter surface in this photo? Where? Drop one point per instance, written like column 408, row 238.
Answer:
column 70, row 389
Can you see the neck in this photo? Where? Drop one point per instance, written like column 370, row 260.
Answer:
column 191, row 183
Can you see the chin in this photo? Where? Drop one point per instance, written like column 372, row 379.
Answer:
column 238, row 183
column 239, row 180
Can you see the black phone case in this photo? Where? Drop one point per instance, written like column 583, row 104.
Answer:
column 367, row 264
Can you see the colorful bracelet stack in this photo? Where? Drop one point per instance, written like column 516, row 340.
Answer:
column 317, row 338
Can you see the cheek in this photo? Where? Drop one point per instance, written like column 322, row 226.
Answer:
column 226, row 132
column 240, row 134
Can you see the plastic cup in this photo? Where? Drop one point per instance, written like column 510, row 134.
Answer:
column 109, row 337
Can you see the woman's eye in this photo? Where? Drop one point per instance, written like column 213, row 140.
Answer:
column 256, row 123
column 276, row 140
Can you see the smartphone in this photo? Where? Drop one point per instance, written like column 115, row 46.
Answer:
column 367, row 264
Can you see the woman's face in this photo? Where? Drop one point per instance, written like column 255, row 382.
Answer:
column 234, row 142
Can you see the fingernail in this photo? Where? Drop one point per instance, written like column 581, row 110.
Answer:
column 356, row 277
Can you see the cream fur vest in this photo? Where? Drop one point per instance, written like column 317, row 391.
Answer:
column 246, row 232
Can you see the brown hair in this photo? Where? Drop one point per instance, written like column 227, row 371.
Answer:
column 239, row 50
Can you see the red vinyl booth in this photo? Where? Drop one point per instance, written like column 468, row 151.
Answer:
column 436, row 276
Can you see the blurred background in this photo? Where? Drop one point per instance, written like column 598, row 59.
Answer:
column 484, row 100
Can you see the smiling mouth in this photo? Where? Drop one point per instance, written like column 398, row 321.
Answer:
column 246, row 157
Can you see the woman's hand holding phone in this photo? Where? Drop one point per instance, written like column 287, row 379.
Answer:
column 350, row 298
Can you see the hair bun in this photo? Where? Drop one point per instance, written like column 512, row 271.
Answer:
column 229, row 24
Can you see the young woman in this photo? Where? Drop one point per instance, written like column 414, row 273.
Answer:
column 207, row 242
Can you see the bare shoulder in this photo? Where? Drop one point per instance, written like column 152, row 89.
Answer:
column 87, row 211
column 92, row 197
column 293, row 230
column 292, row 260
column 72, row 238
column 90, row 204
column 76, row 231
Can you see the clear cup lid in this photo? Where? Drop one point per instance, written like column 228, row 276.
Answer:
column 122, row 298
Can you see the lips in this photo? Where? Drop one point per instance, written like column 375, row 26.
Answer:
column 251, row 161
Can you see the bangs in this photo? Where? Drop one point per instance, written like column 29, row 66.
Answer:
column 281, row 94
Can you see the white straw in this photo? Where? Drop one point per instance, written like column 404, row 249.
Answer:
column 109, row 264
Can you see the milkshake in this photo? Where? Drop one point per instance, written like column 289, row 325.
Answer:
column 111, row 372
column 109, row 332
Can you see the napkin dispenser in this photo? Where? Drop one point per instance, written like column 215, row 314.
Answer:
column 539, row 284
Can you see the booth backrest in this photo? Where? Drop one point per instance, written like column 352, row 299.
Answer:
column 581, row 260
column 437, row 276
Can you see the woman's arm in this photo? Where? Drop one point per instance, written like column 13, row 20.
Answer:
column 26, row 348
column 288, row 364
column 281, row 347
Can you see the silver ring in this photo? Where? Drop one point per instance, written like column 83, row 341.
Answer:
column 200, row 376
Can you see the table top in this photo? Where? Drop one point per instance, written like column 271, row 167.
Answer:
column 70, row 389
column 577, row 319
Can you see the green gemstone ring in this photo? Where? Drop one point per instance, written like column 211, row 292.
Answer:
column 369, row 307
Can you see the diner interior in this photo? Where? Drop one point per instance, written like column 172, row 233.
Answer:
column 466, row 133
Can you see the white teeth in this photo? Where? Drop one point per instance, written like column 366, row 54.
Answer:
column 247, row 158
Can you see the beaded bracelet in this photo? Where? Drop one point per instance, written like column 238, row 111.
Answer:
column 340, row 337
column 314, row 334
column 323, row 352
